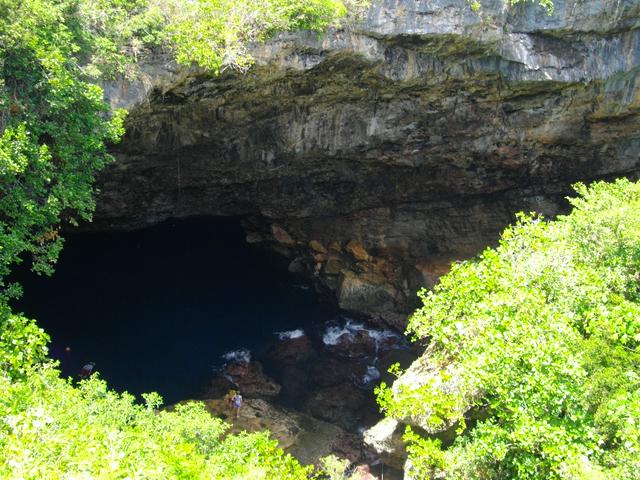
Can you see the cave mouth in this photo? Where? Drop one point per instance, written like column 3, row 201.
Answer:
column 157, row 308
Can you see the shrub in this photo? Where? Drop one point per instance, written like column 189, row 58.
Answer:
column 541, row 334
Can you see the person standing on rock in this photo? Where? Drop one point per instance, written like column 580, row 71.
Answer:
column 237, row 403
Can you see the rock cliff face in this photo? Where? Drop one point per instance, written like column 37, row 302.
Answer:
column 370, row 157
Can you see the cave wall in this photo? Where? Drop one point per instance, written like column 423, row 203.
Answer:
column 372, row 156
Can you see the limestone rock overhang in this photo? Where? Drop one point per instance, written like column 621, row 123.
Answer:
column 372, row 156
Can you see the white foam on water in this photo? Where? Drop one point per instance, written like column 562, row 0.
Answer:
column 372, row 374
column 381, row 335
column 240, row 355
column 290, row 334
column 333, row 334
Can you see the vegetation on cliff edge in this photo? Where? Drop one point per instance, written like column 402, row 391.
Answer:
column 54, row 123
column 538, row 337
column 51, row 429
column 54, row 127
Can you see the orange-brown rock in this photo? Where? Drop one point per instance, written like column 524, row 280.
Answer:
column 335, row 247
column 333, row 266
column 319, row 257
column 317, row 247
column 282, row 236
column 357, row 250
column 366, row 292
column 432, row 269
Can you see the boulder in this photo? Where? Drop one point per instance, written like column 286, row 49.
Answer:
column 357, row 251
column 291, row 351
column 254, row 237
column 431, row 269
column 297, row 265
column 317, row 247
column 248, row 377
column 341, row 405
column 306, row 438
column 335, row 247
column 365, row 293
column 363, row 472
column 333, row 266
column 421, row 374
column 385, row 438
column 319, row 257
column 282, row 236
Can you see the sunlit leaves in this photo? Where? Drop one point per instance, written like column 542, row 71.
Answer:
column 54, row 128
column 547, row 5
column 51, row 429
column 541, row 334
column 217, row 34
column 52, row 132
column 23, row 345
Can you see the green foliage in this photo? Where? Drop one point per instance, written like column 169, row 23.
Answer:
column 23, row 344
column 216, row 34
column 111, row 34
column 546, row 4
column 335, row 468
column 476, row 5
column 541, row 336
column 54, row 128
column 52, row 429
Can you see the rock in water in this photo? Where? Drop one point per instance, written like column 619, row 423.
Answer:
column 248, row 377
column 291, row 350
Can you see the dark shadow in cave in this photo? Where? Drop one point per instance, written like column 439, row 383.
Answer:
column 156, row 308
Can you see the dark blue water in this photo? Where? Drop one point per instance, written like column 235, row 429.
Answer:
column 155, row 309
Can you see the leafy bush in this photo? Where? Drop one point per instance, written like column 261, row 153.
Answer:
column 216, row 34
column 23, row 345
column 54, row 127
column 53, row 130
column 541, row 335
column 51, row 430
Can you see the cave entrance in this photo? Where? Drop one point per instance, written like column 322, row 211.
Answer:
column 157, row 308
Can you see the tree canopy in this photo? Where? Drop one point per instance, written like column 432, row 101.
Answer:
column 537, row 340
column 54, row 131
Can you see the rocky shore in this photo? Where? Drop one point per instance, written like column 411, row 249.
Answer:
column 313, row 392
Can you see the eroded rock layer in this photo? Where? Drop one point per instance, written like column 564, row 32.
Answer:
column 371, row 157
